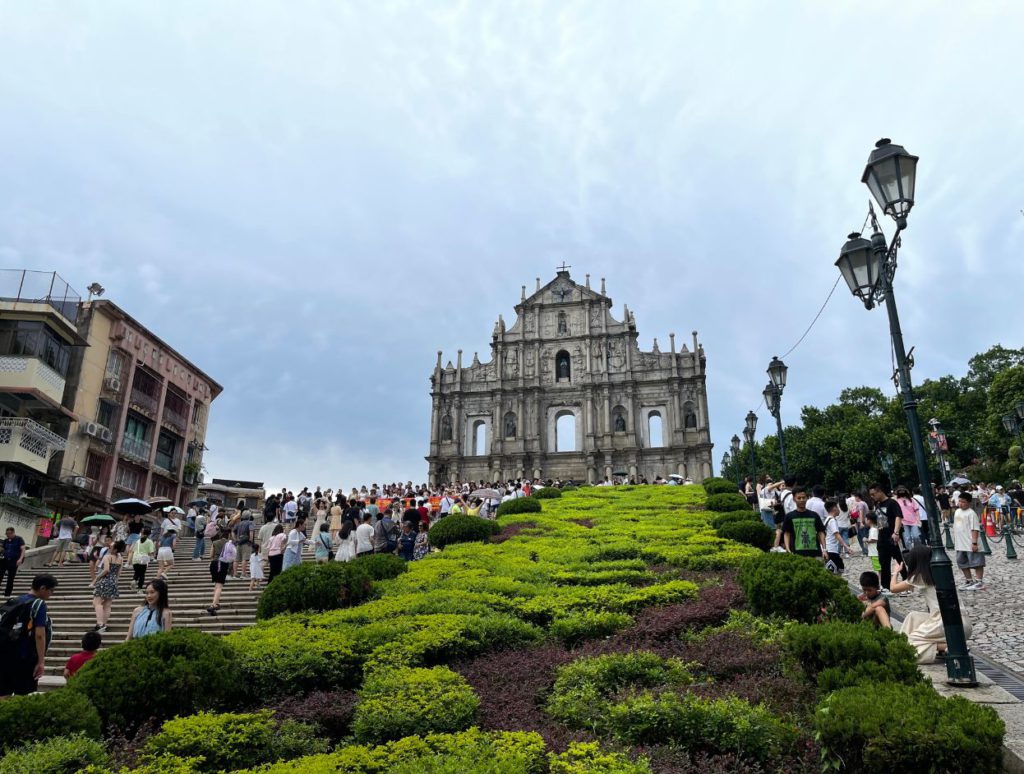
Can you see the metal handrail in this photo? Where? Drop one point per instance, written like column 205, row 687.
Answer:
column 35, row 431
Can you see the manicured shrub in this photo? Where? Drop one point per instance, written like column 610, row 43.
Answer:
column 584, row 689
column 569, row 488
column 746, row 515
column 315, row 587
column 470, row 752
column 230, row 741
column 404, row 702
column 60, row 755
column 727, row 501
column 837, row 655
column 573, row 628
column 196, row 672
column 45, row 715
column 589, row 758
column 547, row 493
column 715, row 486
column 796, row 587
column 381, row 566
column 686, row 720
column 885, row 727
column 519, row 505
column 462, row 528
column 751, row 533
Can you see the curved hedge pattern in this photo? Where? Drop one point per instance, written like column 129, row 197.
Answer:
column 462, row 528
column 519, row 505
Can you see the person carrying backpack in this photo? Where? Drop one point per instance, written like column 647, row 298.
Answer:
column 385, row 535
column 25, row 632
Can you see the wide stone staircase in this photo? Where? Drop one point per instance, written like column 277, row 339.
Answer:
column 190, row 588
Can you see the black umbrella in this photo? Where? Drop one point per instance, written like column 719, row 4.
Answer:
column 200, row 502
column 132, row 505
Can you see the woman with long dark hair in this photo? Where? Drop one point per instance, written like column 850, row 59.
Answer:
column 106, row 584
column 924, row 629
column 275, row 552
column 154, row 616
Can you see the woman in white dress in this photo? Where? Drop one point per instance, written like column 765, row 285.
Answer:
column 347, row 546
column 924, row 628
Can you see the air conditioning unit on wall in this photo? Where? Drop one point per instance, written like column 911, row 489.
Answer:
column 112, row 383
column 92, row 429
column 107, row 436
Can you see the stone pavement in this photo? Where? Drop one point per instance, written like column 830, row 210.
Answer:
column 996, row 613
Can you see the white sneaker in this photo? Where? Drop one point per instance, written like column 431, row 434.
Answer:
column 970, row 586
column 980, row 586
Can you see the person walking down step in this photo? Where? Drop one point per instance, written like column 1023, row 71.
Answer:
column 106, row 584
column 140, row 554
column 165, row 556
column 13, row 556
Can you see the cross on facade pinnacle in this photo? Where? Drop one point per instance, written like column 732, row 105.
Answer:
column 563, row 267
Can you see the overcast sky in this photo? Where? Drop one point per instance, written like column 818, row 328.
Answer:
column 309, row 199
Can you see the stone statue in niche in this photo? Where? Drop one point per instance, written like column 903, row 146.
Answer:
column 511, row 363
column 620, row 422
column 563, row 368
column 691, row 419
column 510, row 425
column 563, row 326
column 446, row 428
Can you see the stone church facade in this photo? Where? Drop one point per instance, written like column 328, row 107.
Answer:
column 568, row 394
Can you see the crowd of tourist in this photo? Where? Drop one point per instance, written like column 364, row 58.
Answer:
column 892, row 528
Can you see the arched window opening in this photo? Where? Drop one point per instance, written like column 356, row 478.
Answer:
column 619, row 419
column 654, row 430
column 510, row 425
column 565, row 432
column 479, row 438
column 563, row 366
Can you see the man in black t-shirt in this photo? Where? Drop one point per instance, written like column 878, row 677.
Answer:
column 942, row 498
column 887, row 511
column 802, row 530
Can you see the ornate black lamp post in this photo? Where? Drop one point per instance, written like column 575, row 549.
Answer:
column 734, row 450
column 868, row 266
column 726, row 462
column 937, row 442
column 886, row 462
column 777, row 371
column 1012, row 425
column 749, row 433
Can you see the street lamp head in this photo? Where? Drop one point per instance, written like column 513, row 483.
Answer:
column 771, row 399
column 726, row 460
column 777, row 373
column 1009, row 423
column 751, row 422
column 890, row 175
column 861, row 266
column 1020, row 409
column 734, row 445
column 748, row 435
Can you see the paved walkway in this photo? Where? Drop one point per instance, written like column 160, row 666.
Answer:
column 997, row 613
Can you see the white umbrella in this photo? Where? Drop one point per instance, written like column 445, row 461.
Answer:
column 488, row 494
column 676, row 476
column 172, row 509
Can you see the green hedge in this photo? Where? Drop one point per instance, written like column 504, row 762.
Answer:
column 547, row 493
column 879, row 728
column 462, row 528
column 751, row 533
column 195, row 672
column 589, row 758
column 573, row 628
column 60, row 755
column 230, row 741
column 44, row 715
column 838, row 655
column 729, row 516
column 404, row 702
column 715, row 486
column 314, row 587
column 519, row 505
column 727, row 502
column 796, row 587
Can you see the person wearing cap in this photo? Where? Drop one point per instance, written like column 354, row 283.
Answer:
column 999, row 502
column 23, row 656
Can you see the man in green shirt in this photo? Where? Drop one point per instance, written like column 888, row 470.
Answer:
column 141, row 556
column 802, row 531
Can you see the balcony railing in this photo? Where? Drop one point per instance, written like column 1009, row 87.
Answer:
column 175, row 420
column 28, row 442
column 135, row 449
column 40, row 287
column 141, row 400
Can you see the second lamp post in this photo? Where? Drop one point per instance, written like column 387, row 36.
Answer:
column 773, row 401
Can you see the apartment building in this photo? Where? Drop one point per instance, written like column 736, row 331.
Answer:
column 227, row 492
column 141, row 411
column 38, row 339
